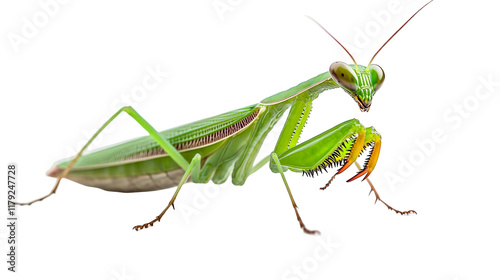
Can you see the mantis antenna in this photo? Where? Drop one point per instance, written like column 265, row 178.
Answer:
column 396, row 32
column 334, row 39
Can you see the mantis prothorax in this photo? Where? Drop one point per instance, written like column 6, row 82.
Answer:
column 227, row 144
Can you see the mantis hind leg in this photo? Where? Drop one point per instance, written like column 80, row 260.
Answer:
column 194, row 167
column 169, row 148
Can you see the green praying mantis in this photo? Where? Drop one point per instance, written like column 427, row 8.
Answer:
column 227, row 144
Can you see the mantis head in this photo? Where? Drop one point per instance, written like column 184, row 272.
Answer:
column 358, row 81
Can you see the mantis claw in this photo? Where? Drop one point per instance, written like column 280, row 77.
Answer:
column 372, row 140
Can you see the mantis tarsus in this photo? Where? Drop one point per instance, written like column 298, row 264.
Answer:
column 227, row 144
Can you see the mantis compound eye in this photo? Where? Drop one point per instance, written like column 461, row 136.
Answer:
column 377, row 76
column 344, row 75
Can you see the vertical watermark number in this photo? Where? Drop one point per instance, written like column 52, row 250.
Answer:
column 11, row 218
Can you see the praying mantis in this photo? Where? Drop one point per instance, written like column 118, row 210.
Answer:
column 215, row 148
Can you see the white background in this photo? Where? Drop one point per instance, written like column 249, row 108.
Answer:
column 65, row 79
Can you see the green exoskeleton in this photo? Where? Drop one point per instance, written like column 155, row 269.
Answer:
column 227, row 144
